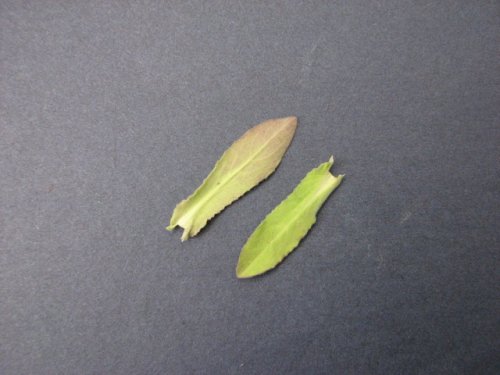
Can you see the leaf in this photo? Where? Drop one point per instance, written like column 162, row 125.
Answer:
column 281, row 231
column 248, row 161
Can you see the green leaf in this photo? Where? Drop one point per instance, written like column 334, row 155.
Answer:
column 248, row 161
column 281, row 231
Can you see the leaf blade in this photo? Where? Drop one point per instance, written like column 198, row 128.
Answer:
column 282, row 229
column 248, row 161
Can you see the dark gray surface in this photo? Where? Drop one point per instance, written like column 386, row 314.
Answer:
column 112, row 113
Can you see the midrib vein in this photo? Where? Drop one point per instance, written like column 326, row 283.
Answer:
column 204, row 200
column 297, row 212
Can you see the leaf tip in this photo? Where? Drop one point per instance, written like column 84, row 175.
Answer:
column 290, row 121
column 293, row 121
column 242, row 275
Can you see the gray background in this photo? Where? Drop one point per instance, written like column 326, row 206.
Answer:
column 113, row 112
